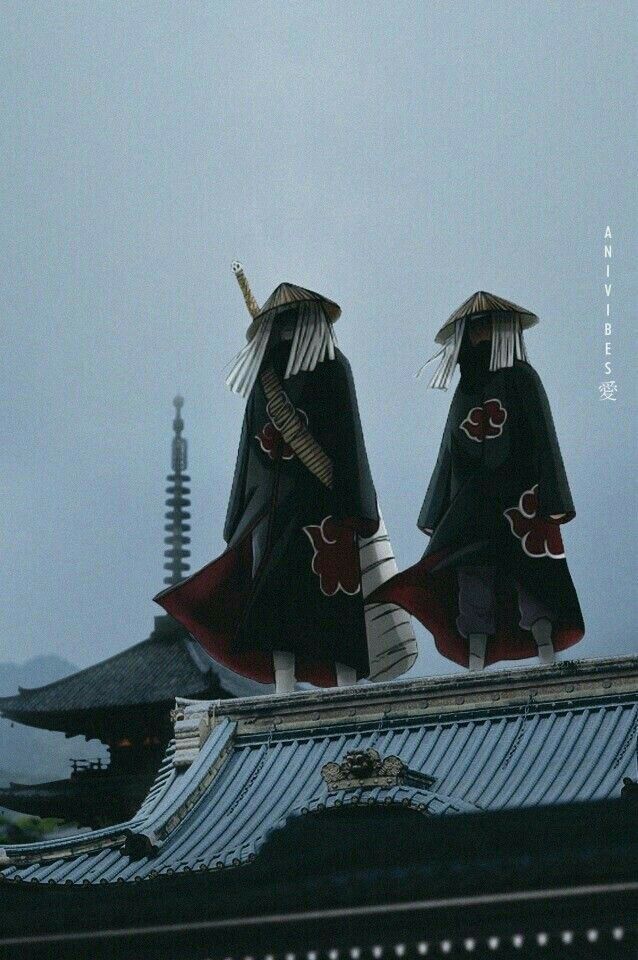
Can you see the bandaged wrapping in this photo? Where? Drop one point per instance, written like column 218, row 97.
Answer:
column 293, row 430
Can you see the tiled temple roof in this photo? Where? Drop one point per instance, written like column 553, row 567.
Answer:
column 239, row 769
column 168, row 664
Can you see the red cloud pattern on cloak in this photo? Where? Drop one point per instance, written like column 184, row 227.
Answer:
column 272, row 443
column 539, row 537
column 335, row 557
column 485, row 422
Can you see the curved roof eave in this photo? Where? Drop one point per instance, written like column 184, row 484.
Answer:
column 556, row 736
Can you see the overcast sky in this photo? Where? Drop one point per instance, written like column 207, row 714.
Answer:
column 394, row 156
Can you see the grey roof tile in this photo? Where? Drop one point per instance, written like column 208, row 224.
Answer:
column 502, row 757
column 167, row 665
column 154, row 671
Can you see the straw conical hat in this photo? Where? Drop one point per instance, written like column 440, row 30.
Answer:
column 287, row 294
column 483, row 302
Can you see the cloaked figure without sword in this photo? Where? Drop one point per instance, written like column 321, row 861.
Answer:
column 493, row 583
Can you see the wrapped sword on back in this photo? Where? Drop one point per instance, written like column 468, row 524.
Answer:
column 306, row 542
column 281, row 411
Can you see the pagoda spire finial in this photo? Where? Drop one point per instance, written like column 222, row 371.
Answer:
column 177, row 501
column 179, row 460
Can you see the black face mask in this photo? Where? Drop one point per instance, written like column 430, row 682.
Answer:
column 280, row 342
column 474, row 363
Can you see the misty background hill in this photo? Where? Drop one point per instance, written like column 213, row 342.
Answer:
column 29, row 755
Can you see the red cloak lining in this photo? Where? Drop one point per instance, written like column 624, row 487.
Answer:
column 210, row 605
column 431, row 597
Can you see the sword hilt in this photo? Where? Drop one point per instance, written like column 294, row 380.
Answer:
column 244, row 286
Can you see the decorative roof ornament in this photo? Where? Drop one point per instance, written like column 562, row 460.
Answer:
column 365, row 769
column 192, row 724
column 177, row 502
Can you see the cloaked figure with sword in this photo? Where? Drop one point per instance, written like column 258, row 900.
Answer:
column 306, row 543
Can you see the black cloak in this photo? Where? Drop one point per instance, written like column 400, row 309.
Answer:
column 290, row 578
column 497, row 482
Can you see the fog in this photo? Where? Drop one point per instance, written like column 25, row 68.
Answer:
column 394, row 156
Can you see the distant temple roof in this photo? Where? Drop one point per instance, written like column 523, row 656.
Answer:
column 168, row 664
column 237, row 770
column 150, row 672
